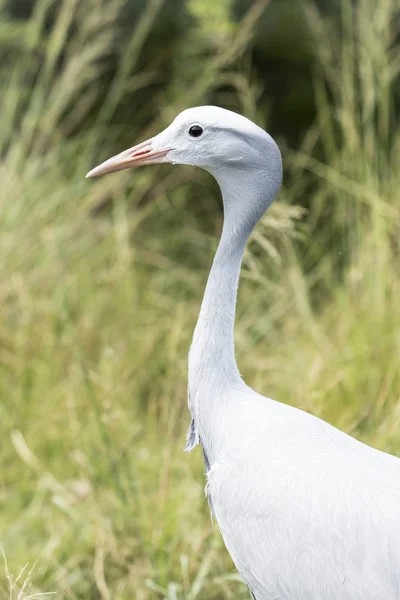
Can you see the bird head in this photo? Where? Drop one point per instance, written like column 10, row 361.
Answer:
column 243, row 158
column 210, row 137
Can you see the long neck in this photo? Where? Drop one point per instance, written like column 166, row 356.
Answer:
column 212, row 349
column 212, row 356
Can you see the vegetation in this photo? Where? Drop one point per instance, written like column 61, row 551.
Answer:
column 101, row 283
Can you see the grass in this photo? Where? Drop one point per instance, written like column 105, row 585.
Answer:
column 21, row 584
column 101, row 284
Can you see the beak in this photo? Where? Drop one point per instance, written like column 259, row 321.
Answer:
column 142, row 154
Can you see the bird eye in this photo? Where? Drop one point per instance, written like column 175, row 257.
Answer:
column 195, row 131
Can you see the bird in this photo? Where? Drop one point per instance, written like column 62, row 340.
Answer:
column 306, row 511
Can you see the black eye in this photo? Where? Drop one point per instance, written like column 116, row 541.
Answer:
column 195, row 131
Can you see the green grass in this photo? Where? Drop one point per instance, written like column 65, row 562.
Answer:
column 101, row 284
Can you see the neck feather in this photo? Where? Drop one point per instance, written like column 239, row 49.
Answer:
column 212, row 355
column 212, row 350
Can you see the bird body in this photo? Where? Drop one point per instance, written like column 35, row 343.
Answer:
column 306, row 511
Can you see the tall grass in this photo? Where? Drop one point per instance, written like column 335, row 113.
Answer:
column 101, row 283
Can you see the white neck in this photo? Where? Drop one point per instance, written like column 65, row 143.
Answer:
column 212, row 357
column 212, row 349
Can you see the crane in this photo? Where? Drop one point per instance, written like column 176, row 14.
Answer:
column 306, row 511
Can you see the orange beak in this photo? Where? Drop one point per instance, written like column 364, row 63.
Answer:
column 142, row 154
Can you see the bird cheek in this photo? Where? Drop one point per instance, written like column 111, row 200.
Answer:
column 184, row 157
column 176, row 157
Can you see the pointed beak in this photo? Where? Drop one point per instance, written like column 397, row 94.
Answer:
column 142, row 154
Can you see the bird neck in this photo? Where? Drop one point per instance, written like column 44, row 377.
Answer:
column 212, row 351
column 212, row 356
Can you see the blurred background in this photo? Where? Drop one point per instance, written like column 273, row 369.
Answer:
column 101, row 281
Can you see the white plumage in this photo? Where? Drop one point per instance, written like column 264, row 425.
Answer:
column 306, row 511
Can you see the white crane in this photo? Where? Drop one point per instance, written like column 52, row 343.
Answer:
column 306, row 511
